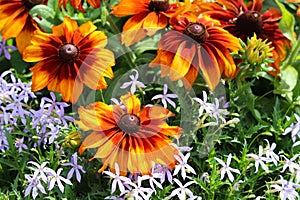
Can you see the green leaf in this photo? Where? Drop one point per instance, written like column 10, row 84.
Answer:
column 147, row 44
column 53, row 4
column 289, row 79
column 17, row 62
column 286, row 23
column 42, row 11
column 44, row 24
column 44, row 16
column 103, row 16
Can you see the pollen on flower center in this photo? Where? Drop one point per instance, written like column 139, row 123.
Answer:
column 196, row 31
column 159, row 5
column 250, row 22
column 30, row 3
column 129, row 123
column 68, row 52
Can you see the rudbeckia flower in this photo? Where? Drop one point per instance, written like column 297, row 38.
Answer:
column 196, row 45
column 243, row 20
column 15, row 21
column 133, row 138
column 149, row 16
column 77, row 4
column 68, row 58
column 298, row 9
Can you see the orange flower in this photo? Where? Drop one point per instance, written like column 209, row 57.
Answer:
column 243, row 20
column 149, row 16
column 68, row 58
column 132, row 137
column 298, row 9
column 15, row 21
column 77, row 4
column 196, row 45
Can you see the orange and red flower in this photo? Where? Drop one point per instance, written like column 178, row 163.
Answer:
column 15, row 21
column 68, row 58
column 196, row 45
column 133, row 138
column 149, row 16
column 298, row 9
column 243, row 20
column 77, row 4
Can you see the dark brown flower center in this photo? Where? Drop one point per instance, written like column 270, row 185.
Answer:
column 68, row 52
column 249, row 22
column 159, row 5
column 196, row 31
column 30, row 3
column 129, row 123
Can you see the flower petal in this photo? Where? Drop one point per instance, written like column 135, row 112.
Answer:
column 132, row 103
column 209, row 67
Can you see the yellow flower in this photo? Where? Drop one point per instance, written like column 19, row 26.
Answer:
column 257, row 50
column 72, row 140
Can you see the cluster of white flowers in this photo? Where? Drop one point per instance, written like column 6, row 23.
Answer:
column 43, row 174
column 294, row 129
column 216, row 110
column 287, row 188
column 133, row 187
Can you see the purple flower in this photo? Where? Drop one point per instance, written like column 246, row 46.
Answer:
column 3, row 140
column 61, row 118
column 294, row 129
column 56, row 178
column 117, row 180
column 51, row 104
column 40, row 170
column 164, row 172
column 287, row 189
column 16, row 107
column 134, row 83
column 183, row 165
column 219, row 110
column 182, row 191
column 259, row 159
column 226, row 169
column 139, row 192
column 26, row 92
column 4, row 49
column 19, row 144
column 273, row 157
column 75, row 168
column 34, row 185
column 204, row 106
column 166, row 97
column 289, row 163
column 152, row 178
column 53, row 133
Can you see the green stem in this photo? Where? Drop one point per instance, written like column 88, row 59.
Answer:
column 102, row 97
column 254, row 140
column 126, row 51
column 294, row 53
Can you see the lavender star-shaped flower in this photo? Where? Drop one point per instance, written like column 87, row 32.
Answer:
column 34, row 186
column 134, row 83
column 165, row 97
column 4, row 49
column 75, row 168
column 57, row 178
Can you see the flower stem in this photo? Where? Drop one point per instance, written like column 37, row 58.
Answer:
column 294, row 53
column 126, row 51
